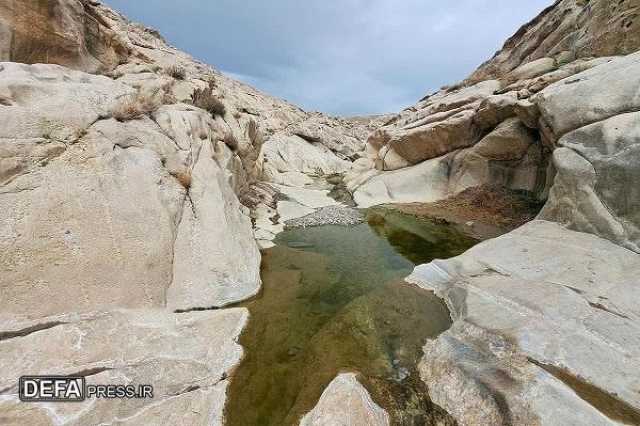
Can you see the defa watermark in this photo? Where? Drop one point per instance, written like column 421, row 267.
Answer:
column 76, row 389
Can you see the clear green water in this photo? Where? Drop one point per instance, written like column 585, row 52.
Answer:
column 333, row 301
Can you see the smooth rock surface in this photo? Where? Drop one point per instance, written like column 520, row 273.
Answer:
column 614, row 87
column 71, row 234
column 52, row 102
column 215, row 260
column 517, row 308
column 293, row 154
column 346, row 402
column 597, row 186
column 429, row 183
column 185, row 357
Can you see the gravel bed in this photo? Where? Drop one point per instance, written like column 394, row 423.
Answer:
column 332, row 215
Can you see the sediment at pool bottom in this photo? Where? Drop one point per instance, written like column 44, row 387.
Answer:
column 334, row 300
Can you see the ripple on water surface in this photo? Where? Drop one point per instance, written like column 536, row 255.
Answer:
column 333, row 300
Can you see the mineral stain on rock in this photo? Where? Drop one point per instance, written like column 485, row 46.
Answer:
column 335, row 302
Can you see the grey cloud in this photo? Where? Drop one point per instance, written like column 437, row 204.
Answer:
column 343, row 57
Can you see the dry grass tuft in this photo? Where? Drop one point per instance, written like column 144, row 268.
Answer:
column 168, row 97
column 231, row 141
column 205, row 99
column 176, row 71
column 497, row 203
column 133, row 107
column 184, row 178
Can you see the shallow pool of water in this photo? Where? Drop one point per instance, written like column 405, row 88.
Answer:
column 333, row 300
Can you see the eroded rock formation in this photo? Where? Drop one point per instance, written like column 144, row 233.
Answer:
column 503, row 126
column 546, row 319
column 122, row 166
column 131, row 176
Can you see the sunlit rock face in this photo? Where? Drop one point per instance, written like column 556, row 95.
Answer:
column 74, row 33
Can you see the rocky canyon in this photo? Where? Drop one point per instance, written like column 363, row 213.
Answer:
column 140, row 188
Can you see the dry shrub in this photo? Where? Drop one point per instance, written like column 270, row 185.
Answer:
column 168, row 98
column 231, row 141
column 184, row 178
column 254, row 134
column 205, row 99
column 500, row 202
column 176, row 71
column 250, row 152
column 138, row 105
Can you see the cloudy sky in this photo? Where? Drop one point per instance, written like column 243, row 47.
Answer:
column 342, row 56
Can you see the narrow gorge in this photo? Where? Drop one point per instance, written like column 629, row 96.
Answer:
column 471, row 260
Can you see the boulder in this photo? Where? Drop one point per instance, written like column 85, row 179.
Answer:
column 429, row 183
column 597, row 186
column 346, row 402
column 509, row 157
column 213, row 265
column 439, row 124
column 532, row 69
column 613, row 86
column 537, row 339
column 434, row 139
column 282, row 154
column 509, row 141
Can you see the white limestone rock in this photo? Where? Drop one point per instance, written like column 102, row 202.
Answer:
column 282, row 154
column 185, row 357
column 346, row 402
column 516, row 308
column 614, row 87
column 428, row 183
column 53, row 102
column 597, row 186
column 215, row 261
